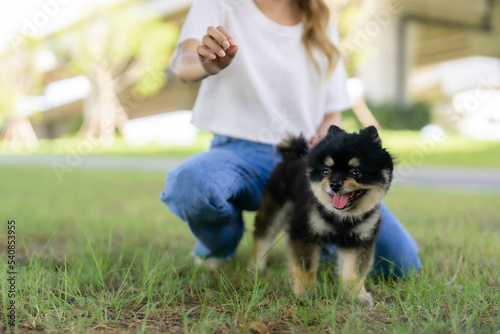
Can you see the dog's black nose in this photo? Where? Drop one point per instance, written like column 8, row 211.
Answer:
column 336, row 185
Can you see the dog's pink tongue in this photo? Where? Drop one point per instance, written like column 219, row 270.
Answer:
column 340, row 201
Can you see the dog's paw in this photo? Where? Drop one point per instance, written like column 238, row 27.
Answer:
column 367, row 299
column 301, row 294
column 305, row 294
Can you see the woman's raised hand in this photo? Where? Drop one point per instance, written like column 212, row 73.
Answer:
column 217, row 50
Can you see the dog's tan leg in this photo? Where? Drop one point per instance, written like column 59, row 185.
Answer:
column 260, row 249
column 354, row 264
column 304, row 262
column 269, row 221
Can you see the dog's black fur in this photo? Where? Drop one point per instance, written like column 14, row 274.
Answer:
column 330, row 194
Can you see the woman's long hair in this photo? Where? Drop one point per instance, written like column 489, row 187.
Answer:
column 317, row 16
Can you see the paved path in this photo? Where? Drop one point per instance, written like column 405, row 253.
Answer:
column 92, row 162
column 452, row 178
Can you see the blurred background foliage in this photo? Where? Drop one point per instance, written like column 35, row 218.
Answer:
column 116, row 50
column 390, row 117
column 97, row 69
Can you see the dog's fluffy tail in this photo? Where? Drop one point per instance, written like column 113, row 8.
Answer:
column 293, row 147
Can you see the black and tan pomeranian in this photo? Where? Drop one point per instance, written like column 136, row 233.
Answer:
column 328, row 195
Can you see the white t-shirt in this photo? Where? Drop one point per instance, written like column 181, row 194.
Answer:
column 272, row 87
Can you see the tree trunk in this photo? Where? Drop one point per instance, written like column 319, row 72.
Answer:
column 104, row 112
column 19, row 134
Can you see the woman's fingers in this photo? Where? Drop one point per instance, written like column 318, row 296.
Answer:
column 217, row 50
column 226, row 35
column 221, row 36
column 218, row 40
column 206, row 52
column 209, row 42
column 314, row 141
column 231, row 51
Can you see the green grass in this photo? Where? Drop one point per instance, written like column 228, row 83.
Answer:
column 75, row 146
column 411, row 149
column 407, row 146
column 99, row 252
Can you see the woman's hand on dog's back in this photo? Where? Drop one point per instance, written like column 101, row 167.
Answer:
column 212, row 54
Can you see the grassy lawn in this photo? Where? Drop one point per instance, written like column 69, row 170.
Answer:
column 99, row 252
column 407, row 146
column 72, row 145
column 410, row 148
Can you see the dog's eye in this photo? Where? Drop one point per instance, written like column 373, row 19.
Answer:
column 356, row 173
column 326, row 172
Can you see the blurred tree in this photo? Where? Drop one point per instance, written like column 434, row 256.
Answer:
column 118, row 47
column 21, row 77
column 355, row 20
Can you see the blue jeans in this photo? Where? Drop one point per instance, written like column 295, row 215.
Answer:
column 209, row 191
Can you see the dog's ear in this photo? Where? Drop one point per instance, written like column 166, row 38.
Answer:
column 333, row 129
column 372, row 133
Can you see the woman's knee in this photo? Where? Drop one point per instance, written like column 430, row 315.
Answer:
column 397, row 267
column 396, row 250
column 191, row 195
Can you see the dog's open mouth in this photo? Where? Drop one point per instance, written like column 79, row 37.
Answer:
column 342, row 201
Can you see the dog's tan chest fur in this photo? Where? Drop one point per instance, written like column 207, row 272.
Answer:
column 319, row 225
column 366, row 228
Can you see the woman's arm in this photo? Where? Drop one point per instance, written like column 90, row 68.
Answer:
column 331, row 118
column 214, row 53
column 189, row 67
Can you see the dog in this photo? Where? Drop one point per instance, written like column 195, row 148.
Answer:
column 327, row 195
